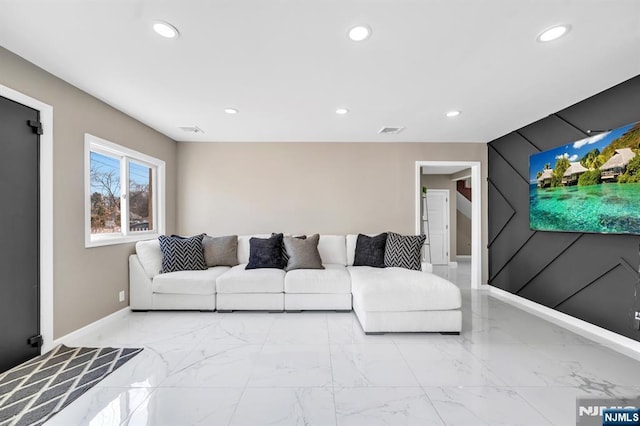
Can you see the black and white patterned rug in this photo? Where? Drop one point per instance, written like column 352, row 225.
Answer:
column 34, row 391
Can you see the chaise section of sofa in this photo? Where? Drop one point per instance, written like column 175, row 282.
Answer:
column 402, row 300
column 397, row 299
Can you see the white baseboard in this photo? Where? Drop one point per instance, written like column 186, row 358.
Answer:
column 448, row 265
column 605, row 337
column 463, row 257
column 91, row 327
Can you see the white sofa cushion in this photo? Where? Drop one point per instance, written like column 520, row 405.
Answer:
column 250, row 302
column 241, row 280
column 333, row 249
column 188, row 282
column 150, row 256
column 399, row 289
column 243, row 246
column 317, row 302
column 334, row 279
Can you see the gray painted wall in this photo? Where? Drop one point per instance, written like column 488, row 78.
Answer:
column 588, row 276
column 86, row 281
column 302, row 188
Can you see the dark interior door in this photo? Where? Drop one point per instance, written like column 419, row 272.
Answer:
column 19, row 234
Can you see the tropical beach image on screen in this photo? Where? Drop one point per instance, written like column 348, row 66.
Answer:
column 590, row 185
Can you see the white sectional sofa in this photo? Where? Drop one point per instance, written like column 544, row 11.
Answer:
column 384, row 299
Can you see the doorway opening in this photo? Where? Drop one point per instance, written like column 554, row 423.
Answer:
column 448, row 173
column 46, row 211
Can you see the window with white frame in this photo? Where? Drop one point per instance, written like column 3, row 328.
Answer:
column 124, row 194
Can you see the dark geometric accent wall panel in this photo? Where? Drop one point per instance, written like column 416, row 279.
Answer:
column 532, row 258
column 589, row 276
column 500, row 211
column 606, row 303
column 517, row 228
column 550, row 132
column 516, row 151
column 621, row 102
column 583, row 266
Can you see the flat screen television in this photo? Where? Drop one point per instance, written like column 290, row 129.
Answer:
column 589, row 185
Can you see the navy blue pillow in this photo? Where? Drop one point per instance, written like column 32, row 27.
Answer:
column 370, row 250
column 182, row 254
column 266, row 253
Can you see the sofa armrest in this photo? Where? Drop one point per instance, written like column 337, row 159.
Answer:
column 140, row 292
column 427, row 267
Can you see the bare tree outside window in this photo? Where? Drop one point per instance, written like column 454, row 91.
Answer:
column 105, row 194
column 140, row 197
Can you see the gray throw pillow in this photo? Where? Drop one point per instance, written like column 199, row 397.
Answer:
column 303, row 254
column 220, row 251
column 285, row 255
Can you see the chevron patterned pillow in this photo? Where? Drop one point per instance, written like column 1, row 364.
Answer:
column 403, row 251
column 182, row 254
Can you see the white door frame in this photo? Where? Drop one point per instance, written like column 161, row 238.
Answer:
column 476, row 215
column 46, row 211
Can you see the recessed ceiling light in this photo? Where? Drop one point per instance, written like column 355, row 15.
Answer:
column 453, row 113
column 165, row 29
column 359, row 33
column 342, row 111
column 553, row 33
column 231, row 110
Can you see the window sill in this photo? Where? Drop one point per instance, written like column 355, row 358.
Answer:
column 108, row 240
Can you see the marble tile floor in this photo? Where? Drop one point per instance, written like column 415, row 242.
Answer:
column 314, row 368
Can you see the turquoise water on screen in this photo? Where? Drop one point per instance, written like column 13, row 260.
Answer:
column 604, row 208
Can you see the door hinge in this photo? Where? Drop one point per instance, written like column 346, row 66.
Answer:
column 36, row 126
column 35, row 341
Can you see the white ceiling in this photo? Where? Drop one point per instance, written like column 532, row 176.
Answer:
column 288, row 64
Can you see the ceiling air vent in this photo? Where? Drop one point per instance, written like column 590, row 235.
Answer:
column 191, row 129
column 390, row 130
